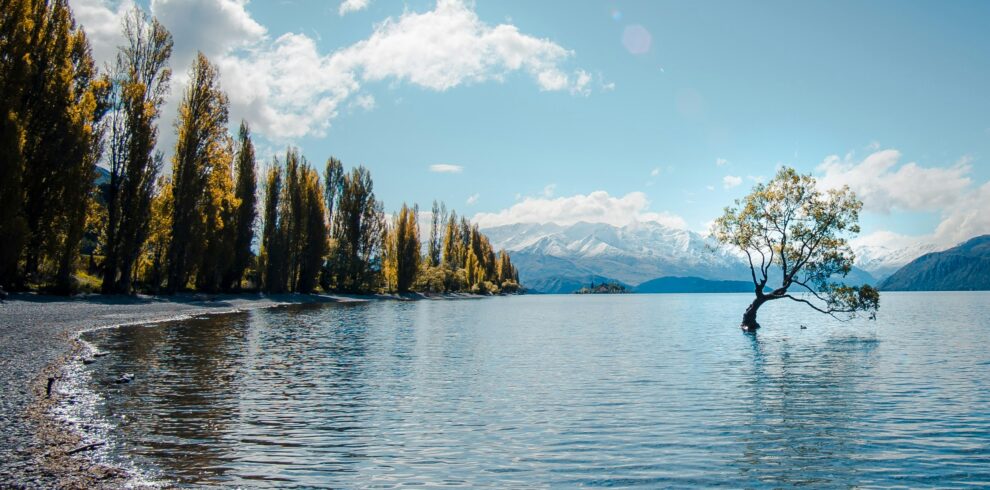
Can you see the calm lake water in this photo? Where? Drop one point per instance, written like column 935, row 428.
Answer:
column 554, row 391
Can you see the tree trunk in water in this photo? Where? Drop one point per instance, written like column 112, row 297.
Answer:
column 749, row 322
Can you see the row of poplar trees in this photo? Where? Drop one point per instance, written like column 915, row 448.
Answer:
column 329, row 232
column 61, row 120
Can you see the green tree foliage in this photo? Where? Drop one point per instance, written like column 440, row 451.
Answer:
column 357, row 233
column 791, row 225
column 202, row 145
column 271, row 257
column 294, row 239
column 402, row 250
column 196, row 228
column 313, row 230
column 51, row 130
column 470, row 261
column 247, row 211
column 141, row 81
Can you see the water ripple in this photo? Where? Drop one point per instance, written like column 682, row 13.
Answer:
column 554, row 391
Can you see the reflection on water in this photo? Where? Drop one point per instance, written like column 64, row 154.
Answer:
column 565, row 391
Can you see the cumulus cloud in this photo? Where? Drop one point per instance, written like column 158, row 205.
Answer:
column 102, row 23
column 288, row 89
column 885, row 185
column 549, row 190
column 348, row 6
column 655, row 172
column 720, row 162
column 596, row 207
column 215, row 27
column 472, row 199
column 967, row 218
column 730, row 181
column 446, row 168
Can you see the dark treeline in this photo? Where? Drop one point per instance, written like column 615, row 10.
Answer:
column 63, row 123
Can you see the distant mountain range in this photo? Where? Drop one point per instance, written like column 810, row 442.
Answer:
column 555, row 258
column 882, row 261
column 646, row 256
column 962, row 268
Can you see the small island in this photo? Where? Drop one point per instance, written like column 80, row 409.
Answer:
column 603, row 288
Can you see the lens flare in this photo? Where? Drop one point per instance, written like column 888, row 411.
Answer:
column 637, row 39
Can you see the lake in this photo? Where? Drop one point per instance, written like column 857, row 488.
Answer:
column 552, row 391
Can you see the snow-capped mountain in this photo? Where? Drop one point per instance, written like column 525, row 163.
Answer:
column 560, row 258
column 883, row 260
column 554, row 258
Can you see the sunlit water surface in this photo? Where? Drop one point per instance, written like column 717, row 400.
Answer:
column 563, row 391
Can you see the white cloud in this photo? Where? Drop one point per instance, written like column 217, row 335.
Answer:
column 759, row 179
column 472, row 199
column 450, row 46
column 721, row 162
column 889, row 239
column 549, row 190
column 884, row 185
column 102, row 24
column 446, row 168
column 348, row 6
column 655, row 172
column 215, row 27
column 596, row 207
column 286, row 88
column 710, row 187
column 967, row 218
column 730, row 181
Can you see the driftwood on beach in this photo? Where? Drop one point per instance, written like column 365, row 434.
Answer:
column 87, row 447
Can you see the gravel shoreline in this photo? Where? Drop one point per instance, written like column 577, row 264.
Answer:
column 39, row 335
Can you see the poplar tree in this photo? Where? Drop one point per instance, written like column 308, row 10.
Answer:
column 217, row 223
column 333, row 183
column 247, row 212
column 16, row 35
column 141, row 82
column 313, row 222
column 50, row 139
column 358, row 224
column 159, row 234
column 294, row 239
column 438, row 218
column 270, row 260
column 451, row 241
column 402, row 250
column 202, row 140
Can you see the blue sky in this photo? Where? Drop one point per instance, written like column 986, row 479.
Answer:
column 673, row 109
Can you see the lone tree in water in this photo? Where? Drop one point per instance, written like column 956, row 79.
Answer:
column 796, row 230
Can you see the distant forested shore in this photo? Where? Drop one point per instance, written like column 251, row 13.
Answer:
column 85, row 204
